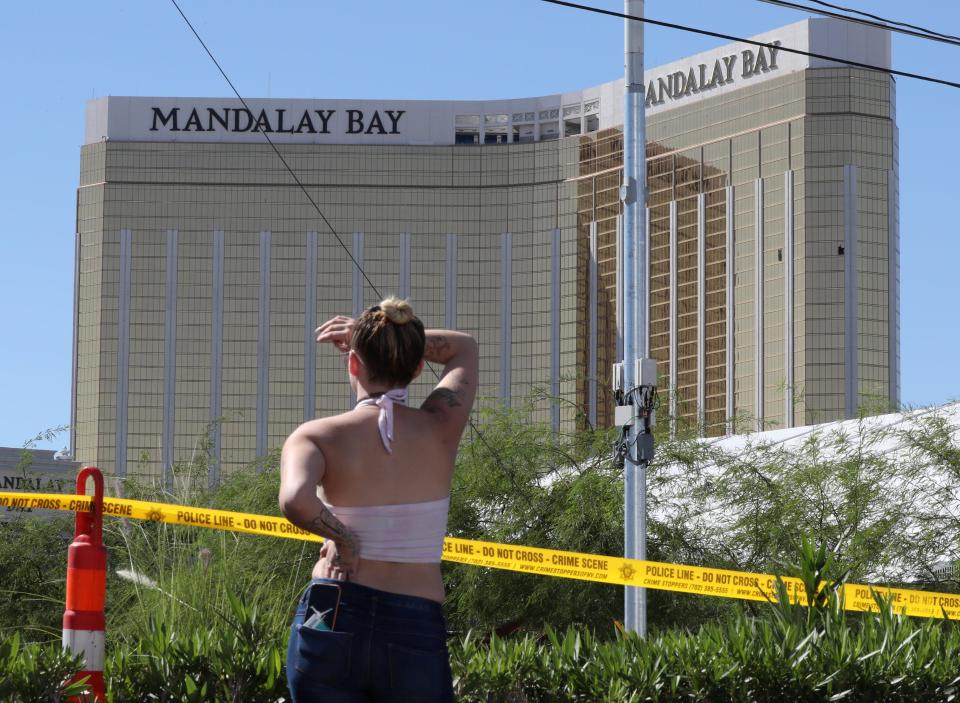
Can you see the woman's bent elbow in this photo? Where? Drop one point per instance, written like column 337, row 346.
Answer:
column 284, row 507
column 290, row 506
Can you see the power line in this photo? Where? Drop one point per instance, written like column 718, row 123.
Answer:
column 277, row 151
column 880, row 24
column 754, row 42
column 884, row 19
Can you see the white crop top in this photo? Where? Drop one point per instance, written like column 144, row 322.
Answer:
column 409, row 532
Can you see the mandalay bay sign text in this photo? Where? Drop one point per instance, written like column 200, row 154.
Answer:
column 236, row 120
column 704, row 77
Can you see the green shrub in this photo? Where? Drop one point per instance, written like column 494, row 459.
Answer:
column 237, row 657
column 33, row 565
column 880, row 657
column 790, row 654
column 175, row 632
column 522, row 483
column 35, row 673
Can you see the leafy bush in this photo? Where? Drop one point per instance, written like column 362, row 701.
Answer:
column 237, row 657
column 524, row 484
column 744, row 659
column 175, row 632
column 33, row 565
column 884, row 493
column 32, row 672
column 889, row 517
column 791, row 653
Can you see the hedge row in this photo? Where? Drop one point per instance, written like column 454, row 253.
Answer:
column 787, row 654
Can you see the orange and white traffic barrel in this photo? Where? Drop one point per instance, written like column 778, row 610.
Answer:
column 83, row 619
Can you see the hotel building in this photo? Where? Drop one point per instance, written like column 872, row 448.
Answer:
column 202, row 267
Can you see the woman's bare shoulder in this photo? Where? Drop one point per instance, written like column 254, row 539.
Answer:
column 322, row 428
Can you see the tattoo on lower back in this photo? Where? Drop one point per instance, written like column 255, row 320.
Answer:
column 444, row 395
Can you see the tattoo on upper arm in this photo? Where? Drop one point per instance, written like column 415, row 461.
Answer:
column 444, row 395
column 436, row 344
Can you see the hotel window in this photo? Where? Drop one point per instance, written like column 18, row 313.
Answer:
column 495, row 135
column 571, row 127
column 549, row 130
column 523, row 133
column 467, row 129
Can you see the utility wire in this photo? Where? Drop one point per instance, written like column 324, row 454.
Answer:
column 754, row 42
column 277, row 151
column 884, row 24
column 884, row 19
column 479, row 434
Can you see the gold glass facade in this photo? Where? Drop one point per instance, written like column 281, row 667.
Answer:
column 771, row 160
column 203, row 268
column 402, row 212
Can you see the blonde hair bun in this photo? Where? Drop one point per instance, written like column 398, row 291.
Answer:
column 397, row 310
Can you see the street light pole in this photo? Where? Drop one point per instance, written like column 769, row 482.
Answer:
column 636, row 371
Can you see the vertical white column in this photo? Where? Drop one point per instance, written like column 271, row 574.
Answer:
column 404, row 285
column 592, row 329
column 729, row 317
column 758, row 292
column 893, row 286
column 701, row 312
column 788, row 346
column 506, row 317
column 263, row 346
column 216, row 357
column 356, row 298
column 309, row 325
column 123, row 352
column 850, row 292
column 169, row 359
column 74, row 361
column 357, row 280
column 555, row 328
column 673, row 317
column 450, row 309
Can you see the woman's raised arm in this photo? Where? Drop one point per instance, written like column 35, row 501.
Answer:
column 452, row 398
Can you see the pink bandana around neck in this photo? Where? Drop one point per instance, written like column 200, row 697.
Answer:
column 385, row 421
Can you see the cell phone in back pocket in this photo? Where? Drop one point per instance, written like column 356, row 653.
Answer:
column 323, row 606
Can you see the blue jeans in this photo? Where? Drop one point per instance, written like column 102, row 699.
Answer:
column 384, row 648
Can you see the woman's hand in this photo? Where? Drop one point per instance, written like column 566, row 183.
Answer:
column 338, row 561
column 338, row 331
column 324, row 569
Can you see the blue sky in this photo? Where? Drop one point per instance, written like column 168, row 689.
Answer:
column 57, row 56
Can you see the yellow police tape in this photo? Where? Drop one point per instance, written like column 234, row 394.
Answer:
column 722, row 583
